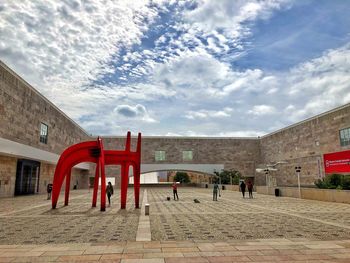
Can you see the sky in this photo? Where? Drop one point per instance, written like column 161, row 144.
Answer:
column 242, row 68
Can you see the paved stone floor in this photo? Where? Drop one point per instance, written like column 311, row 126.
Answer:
column 263, row 229
column 233, row 217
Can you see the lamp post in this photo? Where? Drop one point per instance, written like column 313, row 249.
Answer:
column 266, row 175
column 297, row 170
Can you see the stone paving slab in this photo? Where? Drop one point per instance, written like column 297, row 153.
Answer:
column 36, row 223
column 257, row 251
column 263, row 229
column 233, row 217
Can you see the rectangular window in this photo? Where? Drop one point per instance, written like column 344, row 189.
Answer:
column 43, row 133
column 159, row 155
column 344, row 137
column 187, row 155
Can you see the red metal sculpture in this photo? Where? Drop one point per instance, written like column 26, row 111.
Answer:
column 93, row 151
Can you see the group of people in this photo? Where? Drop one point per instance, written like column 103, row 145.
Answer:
column 249, row 186
column 216, row 190
column 242, row 187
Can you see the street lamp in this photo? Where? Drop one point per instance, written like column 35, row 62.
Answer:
column 297, row 170
column 266, row 175
column 268, row 169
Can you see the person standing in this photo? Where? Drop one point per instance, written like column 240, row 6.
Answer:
column 243, row 188
column 250, row 188
column 216, row 189
column 175, row 190
column 109, row 192
column 49, row 190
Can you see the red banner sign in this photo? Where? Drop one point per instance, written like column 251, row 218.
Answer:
column 338, row 162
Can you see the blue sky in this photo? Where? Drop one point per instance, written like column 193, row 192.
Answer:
column 182, row 68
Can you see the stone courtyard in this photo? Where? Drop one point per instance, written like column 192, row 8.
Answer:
column 233, row 229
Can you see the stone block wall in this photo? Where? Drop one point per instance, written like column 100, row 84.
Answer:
column 234, row 153
column 8, row 167
column 47, row 172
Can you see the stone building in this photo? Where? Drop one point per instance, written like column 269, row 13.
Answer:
column 303, row 144
column 34, row 132
column 204, row 155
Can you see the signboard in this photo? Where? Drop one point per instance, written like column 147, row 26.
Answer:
column 338, row 162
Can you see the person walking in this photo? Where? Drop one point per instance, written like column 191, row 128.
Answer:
column 49, row 190
column 109, row 192
column 216, row 189
column 243, row 188
column 175, row 190
column 250, row 188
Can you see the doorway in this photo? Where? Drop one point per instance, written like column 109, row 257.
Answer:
column 27, row 177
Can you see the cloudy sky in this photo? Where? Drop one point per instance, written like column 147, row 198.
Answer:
column 189, row 68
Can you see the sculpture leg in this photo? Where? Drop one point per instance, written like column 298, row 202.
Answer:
column 66, row 195
column 94, row 195
column 124, row 185
column 57, row 183
column 137, row 186
column 56, row 188
column 103, row 188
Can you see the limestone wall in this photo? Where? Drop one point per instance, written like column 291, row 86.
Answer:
column 234, row 153
column 8, row 167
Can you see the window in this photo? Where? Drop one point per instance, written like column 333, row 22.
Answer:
column 43, row 133
column 159, row 155
column 344, row 137
column 187, row 155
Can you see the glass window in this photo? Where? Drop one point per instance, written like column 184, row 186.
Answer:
column 187, row 155
column 159, row 155
column 344, row 137
column 43, row 133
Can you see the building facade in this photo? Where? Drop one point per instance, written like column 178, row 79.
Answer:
column 204, row 155
column 303, row 144
column 34, row 132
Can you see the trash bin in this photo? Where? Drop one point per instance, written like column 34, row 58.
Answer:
column 206, row 185
column 223, row 187
column 277, row 192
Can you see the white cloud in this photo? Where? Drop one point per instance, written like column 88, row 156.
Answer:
column 192, row 69
column 260, row 110
column 68, row 44
column 137, row 112
column 228, row 15
column 230, row 18
column 194, row 74
column 204, row 114
column 320, row 84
